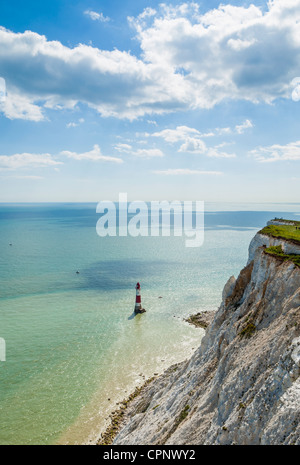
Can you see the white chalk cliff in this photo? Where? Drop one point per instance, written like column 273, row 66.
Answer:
column 242, row 385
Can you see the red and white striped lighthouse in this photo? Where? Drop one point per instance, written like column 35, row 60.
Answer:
column 138, row 301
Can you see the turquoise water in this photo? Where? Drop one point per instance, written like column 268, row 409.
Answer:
column 72, row 340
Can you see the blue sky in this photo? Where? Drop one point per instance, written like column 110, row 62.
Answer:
column 182, row 100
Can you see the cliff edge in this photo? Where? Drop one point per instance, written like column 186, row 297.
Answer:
column 242, row 385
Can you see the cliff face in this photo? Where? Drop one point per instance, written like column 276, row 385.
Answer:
column 242, row 385
column 261, row 240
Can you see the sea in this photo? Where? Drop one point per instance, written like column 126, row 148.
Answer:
column 74, row 346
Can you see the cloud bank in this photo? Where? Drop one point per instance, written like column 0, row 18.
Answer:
column 191, row 140
column 27, row 160
column 276, row 152
column 93, row 155
column 189, row 60
column 46, row 160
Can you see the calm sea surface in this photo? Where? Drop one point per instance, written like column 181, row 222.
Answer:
column 73, row 345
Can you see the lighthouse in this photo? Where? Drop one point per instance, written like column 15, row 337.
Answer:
column 138, row 302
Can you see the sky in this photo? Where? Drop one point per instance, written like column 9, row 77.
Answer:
column 162, row 101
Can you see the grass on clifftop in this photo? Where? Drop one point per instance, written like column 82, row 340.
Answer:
column 278, row 252
column 290, row 232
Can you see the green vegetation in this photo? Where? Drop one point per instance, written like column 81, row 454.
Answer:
column 183, row 414
column 248, row 330
column 197, row 321
column 116, row 417
column 279, row 253
column 289, row 231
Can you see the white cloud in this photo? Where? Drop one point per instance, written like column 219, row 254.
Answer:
column 183, row 171
column 223, row 131
column 191, row 134
column 17, row 106
column 42, row 74
column 197, row 146
column 94, row 155
column 192, row 141
column 295, row 84
column 142, row 153
column 193, row 145
column 238, row 44
column 148, row 153
column 223, row 144
column 123, row 147
column 148, row 12
column 189, row 60
column 97, row 16
column 27, row 160
column 273, row 153
column 31, row 160
column 2, row 90
column 214, row 152
column 72, row 124
column 175, row 135
column 229, row 52
column 240, row 129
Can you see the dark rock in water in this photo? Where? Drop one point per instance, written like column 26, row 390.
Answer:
column 142, row 310
column 201, row 319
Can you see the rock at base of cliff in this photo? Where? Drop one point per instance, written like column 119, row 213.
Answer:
column 201, row 319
